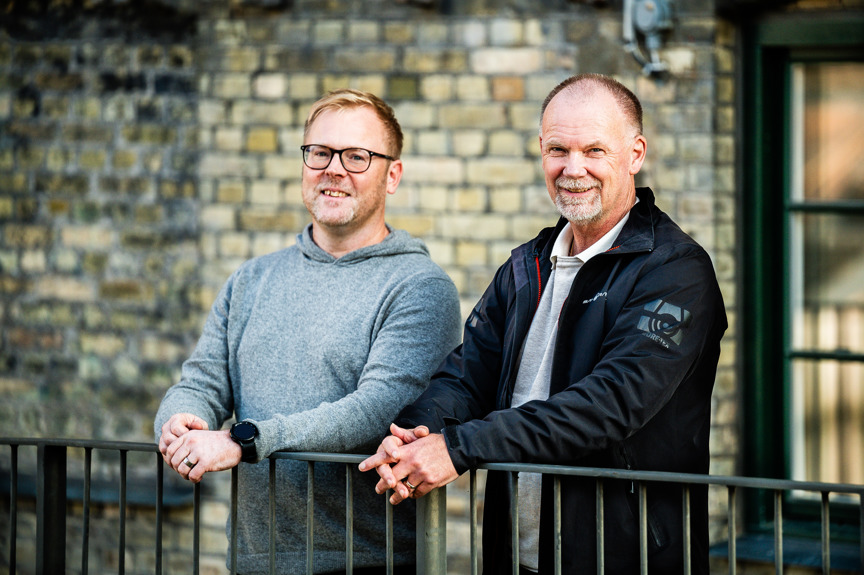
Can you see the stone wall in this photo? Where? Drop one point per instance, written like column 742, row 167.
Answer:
column 147, row 149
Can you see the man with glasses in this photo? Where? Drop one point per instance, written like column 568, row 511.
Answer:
column 316, row 348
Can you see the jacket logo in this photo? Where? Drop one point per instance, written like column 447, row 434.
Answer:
column 664, row 322
column 596, row 297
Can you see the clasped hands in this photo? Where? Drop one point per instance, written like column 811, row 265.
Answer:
column 191, row 449
column 411, row 462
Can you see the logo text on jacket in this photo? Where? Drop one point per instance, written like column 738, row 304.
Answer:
column 596, row 297
column 664, row 322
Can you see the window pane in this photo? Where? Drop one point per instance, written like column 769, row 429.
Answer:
column 828, row 128
column 828, row 411
column 827, row 273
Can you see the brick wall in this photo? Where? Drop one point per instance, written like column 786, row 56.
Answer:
column 145, row 152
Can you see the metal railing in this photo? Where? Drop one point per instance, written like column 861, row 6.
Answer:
column 51, row 509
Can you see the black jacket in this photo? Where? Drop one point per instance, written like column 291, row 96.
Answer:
column 632, row 375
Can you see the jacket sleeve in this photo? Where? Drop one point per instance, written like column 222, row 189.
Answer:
column 641, row 364
column 465, row 386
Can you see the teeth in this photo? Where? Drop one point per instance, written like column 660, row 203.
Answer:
column 335, row 194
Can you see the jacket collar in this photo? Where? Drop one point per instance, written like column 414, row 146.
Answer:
column 637, row 235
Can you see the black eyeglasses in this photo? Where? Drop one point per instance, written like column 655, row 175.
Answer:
column 354, row 160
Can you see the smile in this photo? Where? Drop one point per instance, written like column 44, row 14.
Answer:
column 335, row 194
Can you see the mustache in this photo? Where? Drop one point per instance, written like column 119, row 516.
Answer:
column 578, row 185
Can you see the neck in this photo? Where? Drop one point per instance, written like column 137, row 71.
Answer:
column 337, row 242
column 585, row 237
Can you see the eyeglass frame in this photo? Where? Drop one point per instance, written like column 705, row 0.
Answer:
column 341, row 161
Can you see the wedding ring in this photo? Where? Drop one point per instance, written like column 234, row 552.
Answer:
column 408, row 483
column 188, row 463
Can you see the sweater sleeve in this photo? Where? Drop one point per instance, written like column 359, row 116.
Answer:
column 204, row 388
column 418, row 327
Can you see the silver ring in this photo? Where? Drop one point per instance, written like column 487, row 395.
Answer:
column 188, row 463
column 408, row 483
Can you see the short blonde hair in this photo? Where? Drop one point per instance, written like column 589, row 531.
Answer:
column 346, row 99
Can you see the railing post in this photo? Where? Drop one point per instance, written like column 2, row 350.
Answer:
column 51, row 510
column 432, row 533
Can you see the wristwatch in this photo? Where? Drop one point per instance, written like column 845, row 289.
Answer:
column 244, row 433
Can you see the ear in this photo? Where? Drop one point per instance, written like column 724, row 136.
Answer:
column 394, row 176
column 637, row 154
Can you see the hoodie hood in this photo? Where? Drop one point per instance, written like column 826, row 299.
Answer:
column 397, row 242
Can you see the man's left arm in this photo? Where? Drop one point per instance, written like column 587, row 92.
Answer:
column 421, row 326
column 644, row 357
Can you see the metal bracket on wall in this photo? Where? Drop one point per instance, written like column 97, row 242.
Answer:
column 650, row 18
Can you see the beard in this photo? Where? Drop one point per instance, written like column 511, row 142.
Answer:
column 316, row 203
column 579, row 210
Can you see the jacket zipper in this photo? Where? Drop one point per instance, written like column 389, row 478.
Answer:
column 652, row 524
column 539, row 282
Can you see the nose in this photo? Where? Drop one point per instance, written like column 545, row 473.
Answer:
column 335, row 166
column 574, row 165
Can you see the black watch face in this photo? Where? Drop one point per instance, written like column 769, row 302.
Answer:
column 244, row 431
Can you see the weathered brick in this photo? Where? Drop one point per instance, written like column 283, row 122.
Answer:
column 417, row 225
column 27, row 236
column 505, row 200
column 470, row 253
column 330, row 32
column 39, row 339
column 125, row 186
column 508, row 88
column 129, row 290
column 101, row 344
column 402, row 87
column 255, row 112
column 429, row 60
column 507, row 143
column 397, row 32
column 473, row 116
column 270, row 86
column 433, row 198
column 87, row 133
column 505, row 171
column 265, row 192
column 506, row 32
column 365, row 60
column 469, row 199
column 63, row 288
column 149, row 134
column 125, row 159
column 231, row 86
column 507, row 60
column 282, row 167
column 234, row 244
column 90, row 237
column 161, row 349
column 240, row 59
column 261, row 140
column 433, row 170
column 363, row 31
column 220, row 164
column 267, row 220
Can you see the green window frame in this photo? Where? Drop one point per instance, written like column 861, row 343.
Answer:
column 773, row 47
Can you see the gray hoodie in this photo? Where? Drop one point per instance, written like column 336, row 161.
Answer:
column 321, row 354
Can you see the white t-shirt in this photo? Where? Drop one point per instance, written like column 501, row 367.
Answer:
column 535, row 369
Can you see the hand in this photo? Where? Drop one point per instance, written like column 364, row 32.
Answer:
column 412, row 456
column 177, row 425
column 205, row 451
column 388, row 453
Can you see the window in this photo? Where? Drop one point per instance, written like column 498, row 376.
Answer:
column 803, row 286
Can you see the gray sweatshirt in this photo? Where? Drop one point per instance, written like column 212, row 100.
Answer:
column 321, row 354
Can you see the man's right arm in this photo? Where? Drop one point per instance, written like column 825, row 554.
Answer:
column 204, row 389
column 465, row 386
